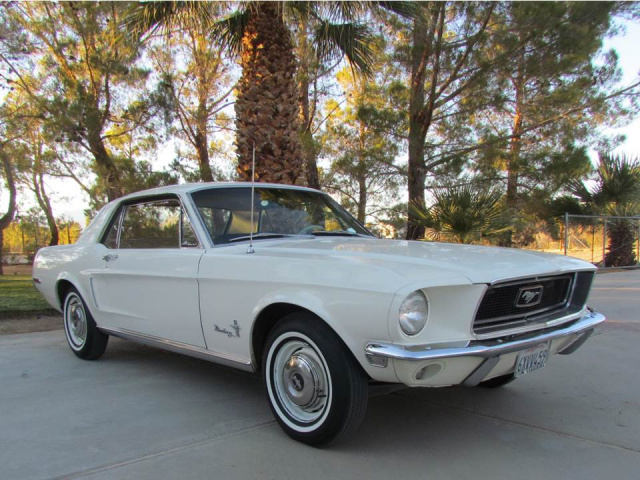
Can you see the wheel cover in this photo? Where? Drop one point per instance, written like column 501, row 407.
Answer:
column 299, row 381
column 75, row 321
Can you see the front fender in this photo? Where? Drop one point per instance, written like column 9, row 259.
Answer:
column 353, row 315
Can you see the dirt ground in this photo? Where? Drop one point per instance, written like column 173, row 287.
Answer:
column 17, row 269
column 10, row 326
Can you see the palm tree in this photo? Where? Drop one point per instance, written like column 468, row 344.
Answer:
column 464, row 214
column 268, row 96
column 616, row 192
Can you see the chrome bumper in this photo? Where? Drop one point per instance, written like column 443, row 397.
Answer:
column 581, row 329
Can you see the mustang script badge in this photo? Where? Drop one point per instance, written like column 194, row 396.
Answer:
column 529, row 296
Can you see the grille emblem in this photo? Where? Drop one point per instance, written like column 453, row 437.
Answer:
column 529, row 296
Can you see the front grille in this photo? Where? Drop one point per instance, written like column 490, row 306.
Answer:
column 503, row 306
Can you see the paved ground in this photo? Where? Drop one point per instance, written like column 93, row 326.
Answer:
column 144, row 414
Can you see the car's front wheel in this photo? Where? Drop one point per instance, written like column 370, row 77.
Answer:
column 316, row 389
column 83, row 336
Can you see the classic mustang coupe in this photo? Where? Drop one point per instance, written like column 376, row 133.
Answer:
column 281, row 280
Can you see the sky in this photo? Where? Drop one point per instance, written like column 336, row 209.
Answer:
column 627, row 48
column 68, row 199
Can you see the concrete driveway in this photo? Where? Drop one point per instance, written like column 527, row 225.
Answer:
column 144, row 414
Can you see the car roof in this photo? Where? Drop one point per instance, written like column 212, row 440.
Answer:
column 193, row 187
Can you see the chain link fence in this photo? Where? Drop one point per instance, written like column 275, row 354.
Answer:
column 606, row 241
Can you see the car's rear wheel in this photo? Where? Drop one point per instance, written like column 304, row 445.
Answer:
column 316, row 389
column 497, row 382
column 83, row 336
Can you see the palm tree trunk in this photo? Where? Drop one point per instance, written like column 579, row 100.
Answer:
column 267, row 102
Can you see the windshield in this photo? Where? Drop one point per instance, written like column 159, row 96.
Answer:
column 277, row 212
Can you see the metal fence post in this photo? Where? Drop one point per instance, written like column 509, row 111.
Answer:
column 566, row 231
column 604, row 243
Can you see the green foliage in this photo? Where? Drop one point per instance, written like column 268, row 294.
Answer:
column 467, row 213
column 616, row 192
column 553, row 91
column 363, row 154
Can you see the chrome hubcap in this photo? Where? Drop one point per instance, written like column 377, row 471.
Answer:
column 76, row 321
column 301, row 381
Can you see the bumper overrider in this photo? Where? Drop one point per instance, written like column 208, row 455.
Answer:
column 427, row 365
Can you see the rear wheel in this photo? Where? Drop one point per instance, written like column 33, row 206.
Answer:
column 83, row 336
column 316, row 389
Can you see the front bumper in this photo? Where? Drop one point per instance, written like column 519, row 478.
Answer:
column 425, row 365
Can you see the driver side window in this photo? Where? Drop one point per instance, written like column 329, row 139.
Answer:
column 157, row 224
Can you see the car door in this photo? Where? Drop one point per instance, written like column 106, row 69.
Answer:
column 150, row 272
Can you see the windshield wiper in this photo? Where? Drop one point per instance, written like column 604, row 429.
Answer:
column 337, row 233
column 264, row 235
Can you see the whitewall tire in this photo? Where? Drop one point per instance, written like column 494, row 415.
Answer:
column 83, row 336
column 316, row 389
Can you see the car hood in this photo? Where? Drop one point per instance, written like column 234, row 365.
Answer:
column 416, row 260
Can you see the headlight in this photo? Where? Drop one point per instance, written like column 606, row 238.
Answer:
column 413, row 313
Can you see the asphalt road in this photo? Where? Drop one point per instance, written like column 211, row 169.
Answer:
column 144, row 414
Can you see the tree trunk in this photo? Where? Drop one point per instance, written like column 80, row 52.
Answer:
column 201, row 137
column 416, row 166
column 206, row 175
column 105, row 168
column 515, row 148
column 622, row 237
column 7, row 218
column 1, row 244
column 306, row 135
column 515, row 145
column 45, row 205
column 267, row 102
column 362, row 198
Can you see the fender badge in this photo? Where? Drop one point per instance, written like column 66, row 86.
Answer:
column 234, row 326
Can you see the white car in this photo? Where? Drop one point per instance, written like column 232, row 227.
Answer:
column 283, row 281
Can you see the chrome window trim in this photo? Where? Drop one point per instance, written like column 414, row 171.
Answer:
column 178, row 347
column 122, row 209
column 192, row 211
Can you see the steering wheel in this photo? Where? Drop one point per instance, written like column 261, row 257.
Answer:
column 310, row 228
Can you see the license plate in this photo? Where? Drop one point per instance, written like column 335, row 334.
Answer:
column 532, row 359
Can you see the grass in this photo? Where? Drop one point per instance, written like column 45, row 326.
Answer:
column 19, row 298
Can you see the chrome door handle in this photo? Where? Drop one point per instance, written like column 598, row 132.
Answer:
column 109, row 257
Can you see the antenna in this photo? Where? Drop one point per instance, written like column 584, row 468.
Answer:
column 253, row 184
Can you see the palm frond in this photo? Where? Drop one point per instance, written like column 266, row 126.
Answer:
column 352, row 40
column 337, row 11
column 402, row 9
column 146, row 18
column 464, row 214
column 230, row 30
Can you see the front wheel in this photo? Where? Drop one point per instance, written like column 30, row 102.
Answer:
column 316, row 389
column 83, row 336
